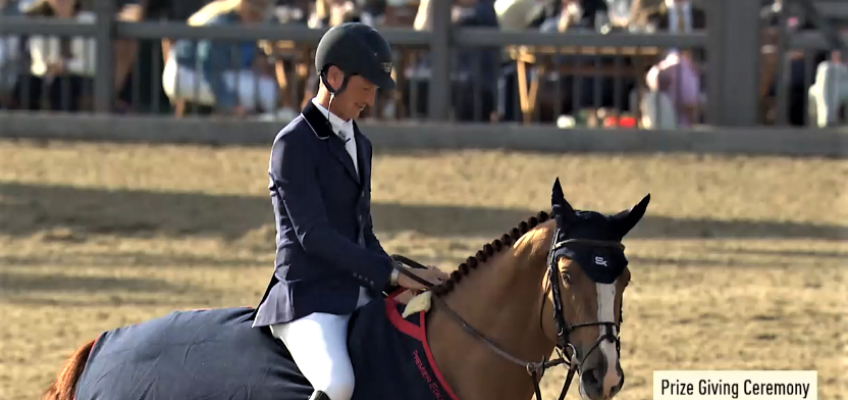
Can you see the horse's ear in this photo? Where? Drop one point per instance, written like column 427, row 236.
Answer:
column 627, row 219
column 559, row 206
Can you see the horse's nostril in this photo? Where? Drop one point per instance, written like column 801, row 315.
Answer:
column 591, row 378
column 597, row 374
column 591, row 383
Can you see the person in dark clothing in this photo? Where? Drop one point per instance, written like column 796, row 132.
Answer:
column 475, row 92
column 329, row 262
column 474, row 72
column 147, row 70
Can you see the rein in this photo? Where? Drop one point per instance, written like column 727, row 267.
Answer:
column 534, row 369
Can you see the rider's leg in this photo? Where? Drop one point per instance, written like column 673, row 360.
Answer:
column 318, row 345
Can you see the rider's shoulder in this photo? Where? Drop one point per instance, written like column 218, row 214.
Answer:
column 298, row 133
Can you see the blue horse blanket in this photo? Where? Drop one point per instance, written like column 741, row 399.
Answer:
column 216, row 354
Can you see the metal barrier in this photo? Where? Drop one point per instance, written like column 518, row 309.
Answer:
column 732, row 68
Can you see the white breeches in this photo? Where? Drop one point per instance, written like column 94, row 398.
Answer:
column 252, row 91
column 318, row 345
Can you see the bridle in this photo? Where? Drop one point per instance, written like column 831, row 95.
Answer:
column 564, row 329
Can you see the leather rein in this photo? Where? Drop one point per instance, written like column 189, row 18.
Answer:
column 564, row 329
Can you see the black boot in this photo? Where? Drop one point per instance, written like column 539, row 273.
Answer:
column 319, row 395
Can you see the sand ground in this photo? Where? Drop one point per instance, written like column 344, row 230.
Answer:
column 740, row 262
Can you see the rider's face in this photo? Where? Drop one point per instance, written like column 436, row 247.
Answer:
column 358, row 94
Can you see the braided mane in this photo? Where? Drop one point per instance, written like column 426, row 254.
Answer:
column 489, row 250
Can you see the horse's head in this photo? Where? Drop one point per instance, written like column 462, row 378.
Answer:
column 588, row 263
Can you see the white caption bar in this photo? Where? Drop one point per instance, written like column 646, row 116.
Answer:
column 735, row 385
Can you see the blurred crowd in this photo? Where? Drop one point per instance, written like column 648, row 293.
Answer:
column 664, row 88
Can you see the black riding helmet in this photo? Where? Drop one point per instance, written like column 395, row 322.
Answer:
column 356, row 49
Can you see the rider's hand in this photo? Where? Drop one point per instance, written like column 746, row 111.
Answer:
column 432, row 275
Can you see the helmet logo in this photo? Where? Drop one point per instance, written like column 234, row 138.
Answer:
column 387, row 67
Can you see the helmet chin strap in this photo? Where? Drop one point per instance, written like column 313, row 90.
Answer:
column 333, row 93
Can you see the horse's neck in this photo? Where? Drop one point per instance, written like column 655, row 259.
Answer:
column 502, row 300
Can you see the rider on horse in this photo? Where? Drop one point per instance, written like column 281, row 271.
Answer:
column 328, row 261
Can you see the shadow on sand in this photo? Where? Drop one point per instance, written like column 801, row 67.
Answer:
column 27, row 209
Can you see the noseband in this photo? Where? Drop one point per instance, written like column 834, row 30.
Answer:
column 564, row 329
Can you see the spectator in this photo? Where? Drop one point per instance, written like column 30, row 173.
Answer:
column 566, row 93
column 671, row 15
column 829, row 93
column 229, row 74
column 330, row 13
column 559, row 15
column 799, row 65
column 674, row 87
column 477, row 70
column 674, row 97
column 10, row 56
column 474, row 73
column 514, row 14
column 64, row 67
column 151, row 56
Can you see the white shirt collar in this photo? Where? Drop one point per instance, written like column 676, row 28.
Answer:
column 342, row 128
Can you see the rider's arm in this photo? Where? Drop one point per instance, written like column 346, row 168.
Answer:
column 293, row 170
column 372, row 243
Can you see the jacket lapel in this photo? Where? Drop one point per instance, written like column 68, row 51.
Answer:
column 336, row 145
column 363, row 155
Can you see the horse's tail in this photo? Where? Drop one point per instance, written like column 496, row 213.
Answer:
column 65, row 385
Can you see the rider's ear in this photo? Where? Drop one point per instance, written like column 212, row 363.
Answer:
column 559, row 206
column 627, row 219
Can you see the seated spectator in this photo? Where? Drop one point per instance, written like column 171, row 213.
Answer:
column 671, row 15
column 514, row 14
column 559, row 15
column 476, row 74
column 150, row 58
column 62, row 69
column 674, row 97
column 329, row 13
column 10, row 56
column 561, row 92
column 674, row 87
column 829, row 93
column 228, row 74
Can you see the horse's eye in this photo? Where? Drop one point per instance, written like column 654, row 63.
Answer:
column 566, row 277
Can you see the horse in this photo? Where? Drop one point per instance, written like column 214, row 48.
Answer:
column 471, row 341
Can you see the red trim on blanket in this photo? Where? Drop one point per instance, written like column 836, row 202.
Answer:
column 401, row 324
column 432, row 361
column 419, row 332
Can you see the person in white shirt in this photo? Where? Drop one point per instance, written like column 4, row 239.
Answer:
column 830, row 91
column 62, row 70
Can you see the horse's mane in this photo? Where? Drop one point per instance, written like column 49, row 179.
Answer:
column 489, row 250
